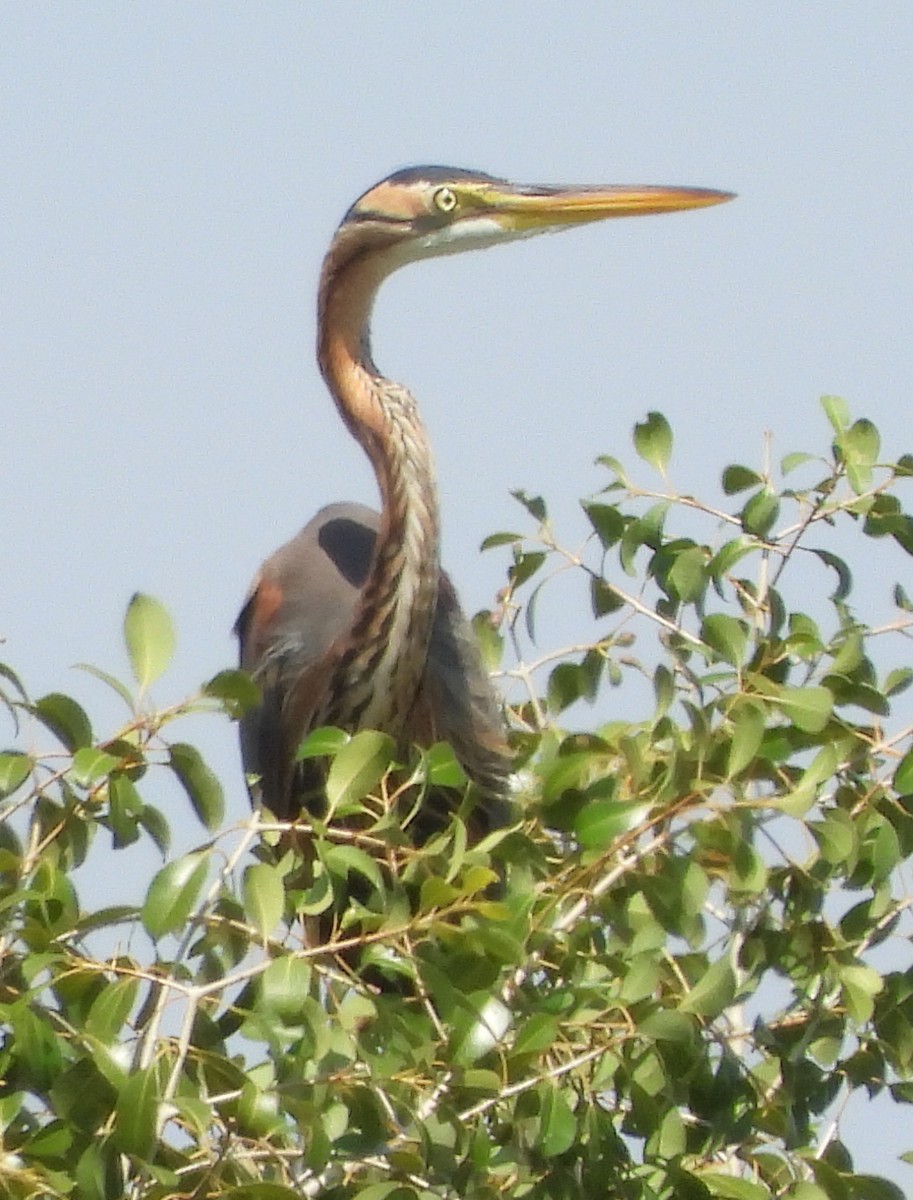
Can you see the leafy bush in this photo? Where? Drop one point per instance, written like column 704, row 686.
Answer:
column 696, row 957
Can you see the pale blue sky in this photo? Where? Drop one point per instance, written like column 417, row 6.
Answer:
column 172, row 172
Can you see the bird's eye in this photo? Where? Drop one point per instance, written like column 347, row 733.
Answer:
column 445, row 200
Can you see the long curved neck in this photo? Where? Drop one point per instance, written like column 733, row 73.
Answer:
column 378, row 666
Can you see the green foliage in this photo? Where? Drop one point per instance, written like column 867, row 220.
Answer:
column 692, row 956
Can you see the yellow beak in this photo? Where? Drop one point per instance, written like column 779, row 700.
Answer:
column 526, row 207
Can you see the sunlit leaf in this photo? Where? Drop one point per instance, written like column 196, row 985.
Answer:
column 789, row 462
column 323, row 742
column 110, row 681
column 809, row 708
column 727, row 635
column 602, row 821
column 860, row 446
column 687, row 575
column 731, row 1187
column 536, row 1034
column 837, row 411
column 653, row 441
column 235, row 689
column 836, row 836
column 111, row 1009
column 748, row 725
column 150, row 638
column 713, row 992
column 903, row 775
column 174, row 892
column 264, row 897
column 612, row 464
column 91, row 764
column 136, row 1115
column 15, row 769
column 284, row 987
column 358, row 767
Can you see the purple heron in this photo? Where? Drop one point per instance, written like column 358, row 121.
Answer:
column 353, row 623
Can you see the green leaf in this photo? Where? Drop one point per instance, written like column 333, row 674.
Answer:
column 645, row 531
column 903, row 776
column 149, row 635
column 760, row 513
column 809, row 708
column 525, row 565
column 737, row 478
column 668, row 1025
column 536, row 1034
column 604, row 599
column 111, row 1009
column 859, row 986
column 110, row 681
column 863, row 441
column 687, row 575
column 489, row 638
column 534, row 505
column 136, row 1113
column 265, row 1191
column 612, row 464
column 90, row 765
column 748, row 723
column 897, row 681
column 264, row 897
column 503, row 538
column 284, row 988
column 557, row 1124
column 15, row 769
column 844, row 575
column 324, row 742
column 340, row 860
column 653, row 441
column 726, row 557
column 125, row 810
column 201, row 785
column 607, row 521
column 601, row 822
column 359, row 767
column 837, row 412
column 174, row 892
column 156, row 826
column 387, row 1191
column 726, row 635
column 235, row 689
column 850, row 654
column 65, row 718
column 730, row 1187
column 713, row 992
column 873, row 1187
column 789, row 462
column 836, row 836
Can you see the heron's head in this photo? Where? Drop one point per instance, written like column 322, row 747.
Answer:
column 423, row 212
